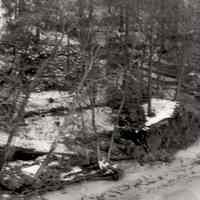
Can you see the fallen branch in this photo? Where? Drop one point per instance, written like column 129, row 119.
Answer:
column 60, row 110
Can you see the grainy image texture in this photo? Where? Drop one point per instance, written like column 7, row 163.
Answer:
column 99, row 99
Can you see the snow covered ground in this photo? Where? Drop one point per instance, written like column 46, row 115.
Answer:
column 51, row 99
column 40, row 131
column 31, row 170
column 43, row 128
column 32, row 143
column 162, row 108
column 48, row 99
column 138, row 180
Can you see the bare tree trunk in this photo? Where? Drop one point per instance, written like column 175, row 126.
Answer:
column 149, row 109
column 124, row 24
column 180, row 78
column 15, row 121
column 92, row 103
column 141, row 77
column 67, row 68
column 162, row 40
column 81, row 8
column 83, row 128
column 113, row 134
column 158, row 77
column 46, row 161
column 182, row 58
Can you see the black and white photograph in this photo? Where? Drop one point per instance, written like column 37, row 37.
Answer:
column 99, row 99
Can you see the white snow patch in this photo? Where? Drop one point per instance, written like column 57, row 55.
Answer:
column 20, row 163
column 67, row 177
column 40, row 100
column 6, row 178
column 194, row 74
column 162, row 108
column 2, row 19
column 41, row 158
column 103, row 164
column 53, row 164
column 31, row 171
column 57, row 36
column 5, row 196
column 39, row 132
column 2, row 64
column 74, row 170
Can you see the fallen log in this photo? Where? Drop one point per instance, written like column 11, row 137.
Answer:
column 60, row 110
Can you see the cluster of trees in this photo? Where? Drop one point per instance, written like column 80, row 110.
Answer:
column 124, row 50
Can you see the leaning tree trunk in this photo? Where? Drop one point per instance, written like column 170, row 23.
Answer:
column 92, row 102
column 46, row 161
column 13, row 128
